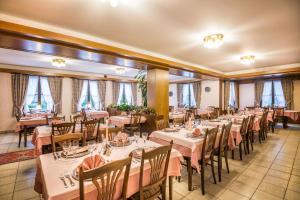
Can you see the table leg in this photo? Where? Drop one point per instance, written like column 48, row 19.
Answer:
column 170, row 187
column 190, row 172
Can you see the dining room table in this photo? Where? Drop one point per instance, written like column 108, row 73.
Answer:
column 191, row 147
column 96, row 114
column 42, row 135
column 50, row 170
column 29, row 121
column 122, row 120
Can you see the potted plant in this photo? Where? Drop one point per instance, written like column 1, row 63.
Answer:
column 142, row 85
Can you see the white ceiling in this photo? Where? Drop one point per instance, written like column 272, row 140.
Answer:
column 25, row 59
column 269, row 29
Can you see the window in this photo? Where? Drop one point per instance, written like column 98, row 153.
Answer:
column 188, row 95
column 273, row 94
column 89, row 96
column 232, row 100
column 38, row 96
column 125, row 95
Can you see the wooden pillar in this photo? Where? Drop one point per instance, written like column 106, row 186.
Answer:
column 158, row 91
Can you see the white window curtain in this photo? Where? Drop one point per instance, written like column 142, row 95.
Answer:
column 31, row 91
column 83, row 94
column 188, row 95
column 279, row 99
column 128, row 93
column 267, row 94
column 94, row 91
column 232, row 95
column 125, row 92
column 45, row 92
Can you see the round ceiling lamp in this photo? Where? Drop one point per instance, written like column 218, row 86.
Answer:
column 213, row 41
column 120, row 70
column 58, row 62
column 114, row 3
column 247, row 60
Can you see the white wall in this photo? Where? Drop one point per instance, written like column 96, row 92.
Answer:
column 210, row 98
column 173, row 99
column 247, row 95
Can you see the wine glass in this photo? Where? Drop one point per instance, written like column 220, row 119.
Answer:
column 136, row 136
column 66, row 147
column 145, row 136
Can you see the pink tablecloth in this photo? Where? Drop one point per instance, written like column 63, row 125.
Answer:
column 97, row 114
column 48, row 171
column 121, row 120
column 192, row 147
column 29, row 122
column 292, row 114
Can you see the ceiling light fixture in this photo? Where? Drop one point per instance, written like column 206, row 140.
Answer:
column 213, row 41
column 247, row 60
column 120, row 70
column 114, row 3
column 58, row 62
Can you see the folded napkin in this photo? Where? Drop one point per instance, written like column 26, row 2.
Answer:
column 92, row 162
column 78, row 151
column 196, row 132
column 121, row 138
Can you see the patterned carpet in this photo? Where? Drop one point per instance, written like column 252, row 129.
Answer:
column 18, row 156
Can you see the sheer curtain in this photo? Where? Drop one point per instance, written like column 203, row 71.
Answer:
column 232, row 95
column 180, row 94
column 83, row 94
column 94, row 90
column 279, row 99
column 197, row 93
column 31, row 91
column 267, row 94
column 188, row 95
column 128, row 93
column 46, row 93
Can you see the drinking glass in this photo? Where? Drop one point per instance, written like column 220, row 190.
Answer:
column 145, row 136
column 66, row 148
column 91, row 147
column 136, row 136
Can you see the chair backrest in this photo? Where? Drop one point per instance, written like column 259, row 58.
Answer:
column 159, row 162
column 63, row 128
column 251, row 123
column 106, row 178
column 58, row 139
column 77, row 118
column 159, row 122
column 83, row 114
column 209, row 141
column 225, row 137
column 171, row 108
column 135, row 119
column 91, row 129
column 111, row 131
column 178, row 121
column 244, row 125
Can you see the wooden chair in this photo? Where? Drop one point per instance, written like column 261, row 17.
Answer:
column 279, row 116
column 135, row 124
column 106, row 178
column 178, row 121
column 243, row 132
column 207, row 154
column 223, row 148
column 69, row 137
column 272, row 123
column 159, row 122
column 159, row 162
column 90, row 128
column 111, row 132
column 63, row 128
column 250, row 133
column 77, row 118
column 83, row 114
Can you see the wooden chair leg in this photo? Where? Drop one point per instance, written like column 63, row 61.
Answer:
column 232, row 154
column 213, row 169
column 202, row 178
column 190, row 173
column 245, row 146
column 25, row 139
column 20, row 138
column 226, row 159
column 170, row 187
column 220, row 167
column 240, row 151
column 163, row 192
